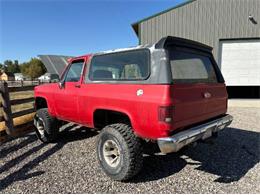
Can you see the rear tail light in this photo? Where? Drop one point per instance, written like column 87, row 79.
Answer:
column 165, row 114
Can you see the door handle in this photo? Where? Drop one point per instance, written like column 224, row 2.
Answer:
column 77, row 85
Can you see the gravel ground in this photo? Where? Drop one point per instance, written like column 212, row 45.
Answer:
column 230, row 165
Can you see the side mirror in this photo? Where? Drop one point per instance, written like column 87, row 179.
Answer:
column 61, row 84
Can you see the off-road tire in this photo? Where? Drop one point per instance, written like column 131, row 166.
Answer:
column 51, row 125
column 130, row 151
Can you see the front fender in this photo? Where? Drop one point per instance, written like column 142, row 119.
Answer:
column 50, row 105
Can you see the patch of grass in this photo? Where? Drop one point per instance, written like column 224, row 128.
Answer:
column 21, row 95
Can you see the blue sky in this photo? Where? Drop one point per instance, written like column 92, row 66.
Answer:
column 70, row 27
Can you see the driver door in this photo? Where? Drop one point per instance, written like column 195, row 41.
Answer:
column 66, row 98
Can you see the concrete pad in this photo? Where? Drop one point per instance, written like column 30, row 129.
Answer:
column 244, row 103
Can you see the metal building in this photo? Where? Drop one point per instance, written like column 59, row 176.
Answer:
column 231, row 27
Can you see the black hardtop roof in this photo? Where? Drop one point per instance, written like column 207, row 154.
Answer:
column 177, row 41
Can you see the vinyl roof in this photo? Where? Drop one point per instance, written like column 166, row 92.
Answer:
column 135, row 24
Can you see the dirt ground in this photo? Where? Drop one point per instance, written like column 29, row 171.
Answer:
column 230, row 165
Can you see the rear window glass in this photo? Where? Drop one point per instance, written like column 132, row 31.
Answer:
column 130, row 65
column 189, row 67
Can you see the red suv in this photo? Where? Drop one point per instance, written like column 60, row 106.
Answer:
column 171, row 93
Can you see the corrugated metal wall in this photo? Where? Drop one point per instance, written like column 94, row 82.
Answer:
column 206, row 21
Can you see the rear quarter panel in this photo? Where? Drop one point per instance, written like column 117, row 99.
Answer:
column 142, row 110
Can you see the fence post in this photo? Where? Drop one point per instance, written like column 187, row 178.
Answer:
column 7, row 112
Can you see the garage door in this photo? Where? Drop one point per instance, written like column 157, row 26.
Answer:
column 240, row 62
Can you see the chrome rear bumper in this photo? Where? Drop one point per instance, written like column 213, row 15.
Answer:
column 183, row 138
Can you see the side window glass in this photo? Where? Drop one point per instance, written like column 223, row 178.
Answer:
column 128, row 65
column 131, row 71
column 74, row 72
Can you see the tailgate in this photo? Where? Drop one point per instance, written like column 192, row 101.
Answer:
column 198, row 92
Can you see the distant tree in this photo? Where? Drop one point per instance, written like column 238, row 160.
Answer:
column 11, row 66
column 14, row 67
column 1, row 66
column 23, row 67
column 8, row 62
column 33, row 69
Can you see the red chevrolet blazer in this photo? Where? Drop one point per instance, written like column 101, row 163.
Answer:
column 171, row 93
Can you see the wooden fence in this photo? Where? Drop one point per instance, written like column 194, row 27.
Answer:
column 22, row 83
column 15, row 123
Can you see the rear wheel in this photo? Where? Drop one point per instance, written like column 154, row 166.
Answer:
column 120, row 152
column 47, row 127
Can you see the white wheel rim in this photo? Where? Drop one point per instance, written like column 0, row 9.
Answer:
column 111, row 153
column 40, row 126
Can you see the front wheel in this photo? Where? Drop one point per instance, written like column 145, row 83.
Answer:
column 120, row 152
column 47, row 127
